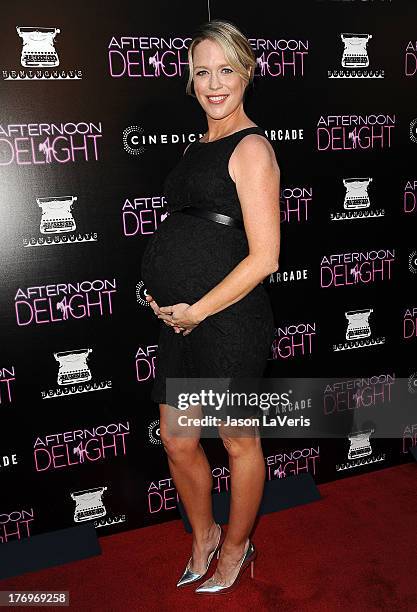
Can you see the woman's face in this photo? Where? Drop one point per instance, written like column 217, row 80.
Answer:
column 214, row 77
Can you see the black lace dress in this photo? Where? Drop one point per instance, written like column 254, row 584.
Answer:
column 187, row 256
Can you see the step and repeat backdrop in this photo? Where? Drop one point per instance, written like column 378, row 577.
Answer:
column 93, row 116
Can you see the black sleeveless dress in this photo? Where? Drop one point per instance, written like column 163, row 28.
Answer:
column 187, row 256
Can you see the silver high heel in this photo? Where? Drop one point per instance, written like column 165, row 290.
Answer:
column 211, row 586
column 189, row 576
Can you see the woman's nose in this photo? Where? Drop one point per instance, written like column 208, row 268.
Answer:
column 214, row 82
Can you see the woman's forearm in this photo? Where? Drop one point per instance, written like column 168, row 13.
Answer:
column 239, row 282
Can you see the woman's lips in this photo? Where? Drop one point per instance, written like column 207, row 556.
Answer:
column 217, row 99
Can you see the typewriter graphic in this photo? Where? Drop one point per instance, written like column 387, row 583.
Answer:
column 73, row 368
column 355, row 54
column 356, row 193
column 358, row 324
column 89, row 504
column 38, row 47
column 360, row 445
column 56, row 214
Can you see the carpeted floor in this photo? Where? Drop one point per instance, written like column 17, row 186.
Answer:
column 354, row 550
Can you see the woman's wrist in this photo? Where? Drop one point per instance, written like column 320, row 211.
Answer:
column 197, row 313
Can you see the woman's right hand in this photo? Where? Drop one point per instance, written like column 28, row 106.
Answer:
column 156, row 310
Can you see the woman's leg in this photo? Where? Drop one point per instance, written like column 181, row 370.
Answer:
column 247, row 474
column 192, row 477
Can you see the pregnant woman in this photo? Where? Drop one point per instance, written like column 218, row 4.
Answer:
column 203, row 270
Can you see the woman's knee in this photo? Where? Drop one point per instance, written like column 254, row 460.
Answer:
column 237, row 446
column 178, row 446
column 177, row 439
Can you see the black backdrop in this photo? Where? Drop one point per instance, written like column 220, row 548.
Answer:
column 71, row 275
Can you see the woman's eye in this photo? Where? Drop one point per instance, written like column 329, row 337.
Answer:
column 202, row 71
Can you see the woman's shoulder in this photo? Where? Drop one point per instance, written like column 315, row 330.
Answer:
column 254, row 150
column 255, row 145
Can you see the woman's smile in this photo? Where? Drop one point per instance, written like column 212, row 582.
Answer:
column 217, row 99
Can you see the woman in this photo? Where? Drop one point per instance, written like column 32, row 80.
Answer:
column 203, row 280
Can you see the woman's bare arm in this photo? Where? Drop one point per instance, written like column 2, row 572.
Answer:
column 256, row 173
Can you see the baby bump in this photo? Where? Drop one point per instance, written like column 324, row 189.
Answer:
column 186, row 257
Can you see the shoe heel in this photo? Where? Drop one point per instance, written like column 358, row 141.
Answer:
column 214, row 587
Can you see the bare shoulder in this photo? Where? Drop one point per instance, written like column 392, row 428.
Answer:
column 250, row 149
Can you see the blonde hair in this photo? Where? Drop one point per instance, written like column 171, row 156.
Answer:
column 235, row 45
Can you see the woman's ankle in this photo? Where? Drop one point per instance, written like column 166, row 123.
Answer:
column 234, row 547
column 205, row 535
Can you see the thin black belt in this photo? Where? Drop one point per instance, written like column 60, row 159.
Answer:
column 212, row 216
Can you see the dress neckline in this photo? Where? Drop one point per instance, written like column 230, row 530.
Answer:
column 251, row 127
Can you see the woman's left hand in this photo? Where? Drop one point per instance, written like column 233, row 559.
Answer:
column 181, row 315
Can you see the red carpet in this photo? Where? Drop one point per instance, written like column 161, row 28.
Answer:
column 354, row 550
